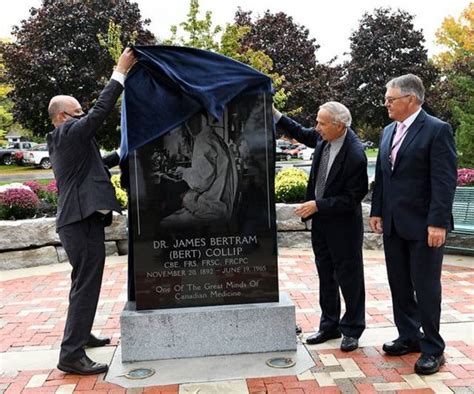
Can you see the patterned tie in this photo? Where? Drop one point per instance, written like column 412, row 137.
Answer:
column 397, row 141
column 322, row 172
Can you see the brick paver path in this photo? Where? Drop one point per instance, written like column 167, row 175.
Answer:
column 33, row 310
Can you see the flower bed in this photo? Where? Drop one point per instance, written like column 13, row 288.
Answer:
column 31, row 199
column 28, row 200
column 465, row 177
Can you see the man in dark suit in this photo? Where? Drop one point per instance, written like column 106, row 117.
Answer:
column 415, row 181
column 86, row 199
column 337, row 184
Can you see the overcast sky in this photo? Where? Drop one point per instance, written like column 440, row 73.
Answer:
column 330, row 22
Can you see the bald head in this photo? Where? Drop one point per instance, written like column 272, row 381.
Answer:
column 62, row 108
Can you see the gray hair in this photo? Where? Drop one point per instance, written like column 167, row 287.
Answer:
column 409, row 84
column 340, row 112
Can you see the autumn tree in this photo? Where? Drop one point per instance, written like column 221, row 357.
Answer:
column 455, row 89
column 6, row 115
column 202, row 34
column 308, row 83
column 384, row 46
column 57, row 51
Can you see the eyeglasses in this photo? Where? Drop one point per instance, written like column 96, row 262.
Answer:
column 390, row 100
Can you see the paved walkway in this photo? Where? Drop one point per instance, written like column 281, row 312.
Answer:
column 33, row 308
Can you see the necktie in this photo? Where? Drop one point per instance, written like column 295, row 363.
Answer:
column 322, row 172
column 397, row 141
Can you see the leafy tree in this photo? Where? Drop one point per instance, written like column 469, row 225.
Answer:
column 200, row 33
column 293, row 53
column 6, row 116
column 456, row 88
column 385, row 46
column 57, row 51
column 463, row 112
column 458, row 37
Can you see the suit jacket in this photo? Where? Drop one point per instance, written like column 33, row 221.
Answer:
column 339, row 210
column 419, row 191
column 82, row 180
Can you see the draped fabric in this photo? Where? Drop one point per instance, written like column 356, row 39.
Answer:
column 170, row 84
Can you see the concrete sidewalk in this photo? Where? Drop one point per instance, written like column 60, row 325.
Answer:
column 34, row 302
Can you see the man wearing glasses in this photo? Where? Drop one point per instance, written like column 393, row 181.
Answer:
column 415, row 180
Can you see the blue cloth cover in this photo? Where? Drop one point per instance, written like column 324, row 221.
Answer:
column 169, row 84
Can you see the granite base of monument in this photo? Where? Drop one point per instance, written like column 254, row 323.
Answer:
column 207, row 331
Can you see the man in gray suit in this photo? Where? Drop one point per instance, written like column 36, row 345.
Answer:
column 86, row 200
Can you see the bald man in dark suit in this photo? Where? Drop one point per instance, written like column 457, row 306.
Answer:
column 86, row 201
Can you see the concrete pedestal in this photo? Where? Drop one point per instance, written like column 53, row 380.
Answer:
column 207, row 331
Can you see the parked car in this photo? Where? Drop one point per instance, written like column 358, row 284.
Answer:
column 306, row 154
column 18, row 157
column 283, row 144
column 367, row 144
column 38, row 157
column 293, row 150
column 280, row 154
column 7, row 154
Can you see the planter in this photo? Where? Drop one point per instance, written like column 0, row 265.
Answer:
column 34, row 242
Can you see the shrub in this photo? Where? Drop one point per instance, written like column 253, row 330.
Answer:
column 34, row 186
column 46, row 193
column 120, row 194
column 50, row 193
column 18, row 203
column 290, row 185
column 292, row 172
column 14, row 185
column 465, row 177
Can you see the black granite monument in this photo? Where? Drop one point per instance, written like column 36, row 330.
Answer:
column 203, row 212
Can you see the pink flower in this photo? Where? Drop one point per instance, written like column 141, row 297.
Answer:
column 34, row 186
column 465, row 177
column 18, row 203
column 52, row 187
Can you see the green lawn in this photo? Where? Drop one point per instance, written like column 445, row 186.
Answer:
column 40, row 181
column 14, row 169
column 372, row 152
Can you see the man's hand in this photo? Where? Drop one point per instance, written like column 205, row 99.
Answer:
column 126, row 60
column 306, row 209
column 375, row 223
column 436, row 236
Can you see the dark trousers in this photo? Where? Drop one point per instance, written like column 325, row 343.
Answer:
column 84, row 245
column 414, row 275
column 340, row 265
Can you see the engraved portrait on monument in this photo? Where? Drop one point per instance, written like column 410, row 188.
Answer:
column 203, row 214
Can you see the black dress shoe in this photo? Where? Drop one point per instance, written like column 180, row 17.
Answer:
column 82, row 366
column 322, row 336
column 428, row 364
column 298, row 330
column 97, row 342
column 399, row 347
column 349, row 344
